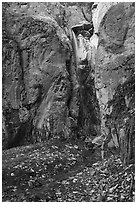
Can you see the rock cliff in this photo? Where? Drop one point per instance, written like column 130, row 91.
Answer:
column 41, row 90
column 115, row 67
column 68, row 71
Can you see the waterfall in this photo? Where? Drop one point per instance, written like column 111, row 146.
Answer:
column 75, row 46
column 83, row 48
column 80, row 47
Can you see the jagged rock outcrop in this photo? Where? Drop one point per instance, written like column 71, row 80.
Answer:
column 35, row 53
column 41, row 91
column 114, row 70
column 98, row 12
column 64, row 76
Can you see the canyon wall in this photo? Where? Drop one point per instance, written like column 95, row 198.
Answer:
column 47, row 93
column 41, row 91
column 115, row 68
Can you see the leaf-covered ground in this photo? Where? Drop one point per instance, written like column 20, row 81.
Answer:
column 59, row 172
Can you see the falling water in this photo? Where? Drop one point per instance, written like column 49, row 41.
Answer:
column 75, row 45
column 80, row 54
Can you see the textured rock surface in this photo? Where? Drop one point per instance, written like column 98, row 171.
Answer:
column 114, row 72
column 98, row 12
column 34, row 73
column 40, row 86
column 45, row 90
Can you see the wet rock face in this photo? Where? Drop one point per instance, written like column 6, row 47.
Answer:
column 13, row 87
column 41, row 93
column 35, row 78
column 89, row 117
column 46, row 94
column 114, row 72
